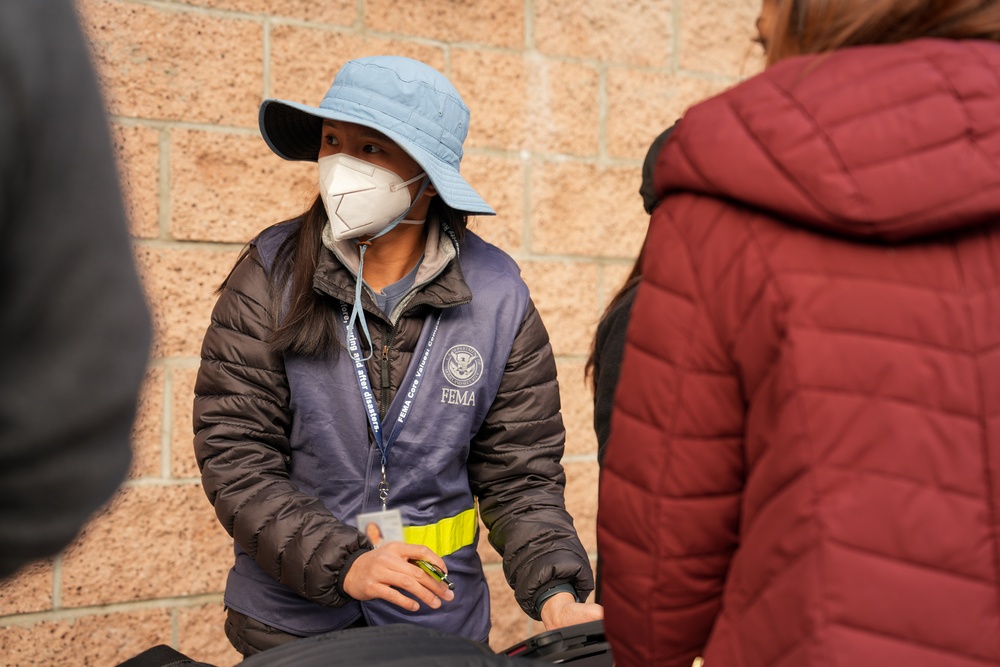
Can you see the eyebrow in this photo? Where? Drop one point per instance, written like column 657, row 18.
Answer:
column 367, row 132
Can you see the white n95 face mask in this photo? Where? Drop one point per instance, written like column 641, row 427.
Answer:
column 361, row 198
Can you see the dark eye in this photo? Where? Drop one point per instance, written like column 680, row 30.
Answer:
column 371, row 149
column 329, row 139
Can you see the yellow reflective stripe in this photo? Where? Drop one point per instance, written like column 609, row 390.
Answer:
column 447, row 535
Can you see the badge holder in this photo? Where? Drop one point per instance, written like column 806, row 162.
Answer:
column 381, row 526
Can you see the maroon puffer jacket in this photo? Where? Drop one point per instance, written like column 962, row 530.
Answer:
column 804, row 464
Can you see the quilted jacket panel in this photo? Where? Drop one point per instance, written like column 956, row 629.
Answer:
column 804, row 454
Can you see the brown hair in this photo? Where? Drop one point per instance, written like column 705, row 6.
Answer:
column 820, row 26
column 306, row 328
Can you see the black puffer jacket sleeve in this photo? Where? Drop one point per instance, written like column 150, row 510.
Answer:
column 515, row 470
column 241, row 424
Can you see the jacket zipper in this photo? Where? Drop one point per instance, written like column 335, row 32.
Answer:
column 384, row 405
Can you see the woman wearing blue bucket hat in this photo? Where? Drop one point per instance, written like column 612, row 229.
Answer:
column 373, row 368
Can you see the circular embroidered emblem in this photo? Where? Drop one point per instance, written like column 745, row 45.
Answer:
column 462, row 365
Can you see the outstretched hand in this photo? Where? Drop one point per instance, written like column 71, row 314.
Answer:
column 562, row 610
column 383, row 572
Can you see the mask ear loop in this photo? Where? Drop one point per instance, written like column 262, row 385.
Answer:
column 357, row 312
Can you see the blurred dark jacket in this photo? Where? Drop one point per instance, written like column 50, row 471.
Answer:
column 74, row 326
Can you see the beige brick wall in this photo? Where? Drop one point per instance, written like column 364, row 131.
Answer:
column 565, row 96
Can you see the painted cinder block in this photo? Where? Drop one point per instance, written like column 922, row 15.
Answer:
column 498, row 23
column 153, row 541
column 510, row 624
column 716, row 37
column 586, row 210
column 501, row 180
column 201, row 636
column 577, row 406
column 565, row 293
column 641, row 104
column 181, row 283
column 635, row 32
column 581, row 499
column 227, row 187
column 147, row 432
column 525, row 101
column 304, row 59
column 138, row 152
column 337, row 12
column 29, row 590
column 96, row 640
column 166, row 63
column 182, row 461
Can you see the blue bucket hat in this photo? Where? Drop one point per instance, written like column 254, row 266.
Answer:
column 410, row 102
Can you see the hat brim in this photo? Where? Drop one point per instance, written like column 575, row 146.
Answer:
column 293, row 131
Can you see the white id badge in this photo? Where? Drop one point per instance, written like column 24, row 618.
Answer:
column 383, row 526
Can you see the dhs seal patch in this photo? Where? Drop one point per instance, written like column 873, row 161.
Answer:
column 462, row 366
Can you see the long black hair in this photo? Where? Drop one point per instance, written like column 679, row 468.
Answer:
column 303, row 324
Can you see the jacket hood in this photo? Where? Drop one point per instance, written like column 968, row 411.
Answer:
column 889, row 143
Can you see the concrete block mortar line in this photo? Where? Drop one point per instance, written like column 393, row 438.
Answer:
column 570, row 358
column 529, row 25
column 174, row 363
column 525, row 153
column 168, row 124
column 676, row 41
column 166, row 425
column 353, row 29
column 147, row 482
column 580, row 458
column 707, row 76
column 492, row 567
column 528, row 170
column 265, row 83
column 181, row 244
column 175, row 627
column 57, row 578
column 563, row 259
column 528, row 51
column 564, row 158
column 446, row 52
column 437, row 43
column 602, row 114
column 72, row 614
column 184, row 8
column 163, row 190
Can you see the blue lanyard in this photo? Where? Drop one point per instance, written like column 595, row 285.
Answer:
column 368, row 396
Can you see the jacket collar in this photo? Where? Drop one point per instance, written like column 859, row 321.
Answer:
column 440, row 282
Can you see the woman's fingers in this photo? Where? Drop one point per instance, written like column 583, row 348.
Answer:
column 417, row 552
column 421, row 585
column 387, row 571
